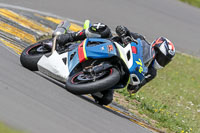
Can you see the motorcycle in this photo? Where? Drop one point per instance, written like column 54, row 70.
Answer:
column 90, row 66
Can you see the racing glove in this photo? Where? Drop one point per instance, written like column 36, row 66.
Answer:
column 125, row 35
column 122, row 31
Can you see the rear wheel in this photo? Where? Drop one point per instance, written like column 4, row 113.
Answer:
column 88, row 83
column 31, row 55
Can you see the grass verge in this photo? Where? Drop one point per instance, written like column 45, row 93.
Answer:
column 172, row 100
column 192, row 2
column 5, row 129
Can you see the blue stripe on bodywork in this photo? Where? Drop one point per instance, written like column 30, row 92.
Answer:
column 73, row 62
column 95, row 52
column 101, row 50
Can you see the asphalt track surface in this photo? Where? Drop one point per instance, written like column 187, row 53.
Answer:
column 33, row 103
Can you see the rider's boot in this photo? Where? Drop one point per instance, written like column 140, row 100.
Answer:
column 105, row 98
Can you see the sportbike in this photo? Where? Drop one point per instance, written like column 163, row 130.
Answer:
column 89, row 66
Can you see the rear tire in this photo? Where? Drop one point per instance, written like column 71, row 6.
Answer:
column 30, row 59
column 102, row 84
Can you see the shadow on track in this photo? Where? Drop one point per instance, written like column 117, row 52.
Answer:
column 85, row 97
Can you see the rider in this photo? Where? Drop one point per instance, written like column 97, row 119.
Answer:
column 164, row 52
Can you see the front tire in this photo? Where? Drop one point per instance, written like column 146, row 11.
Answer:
column 30, row 55
column 104, row 83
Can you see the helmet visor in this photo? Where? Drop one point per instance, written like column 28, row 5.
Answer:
column 162, row 59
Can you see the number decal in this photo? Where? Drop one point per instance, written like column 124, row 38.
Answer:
column 140, row 63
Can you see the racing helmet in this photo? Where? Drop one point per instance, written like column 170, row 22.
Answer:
column 98, row 30
column 165, row 51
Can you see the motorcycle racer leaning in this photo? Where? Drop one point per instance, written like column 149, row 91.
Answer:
column 163, row 50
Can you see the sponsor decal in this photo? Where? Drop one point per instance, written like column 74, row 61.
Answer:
column 110, row 48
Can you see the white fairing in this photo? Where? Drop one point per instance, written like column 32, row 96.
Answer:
column 129, row 62
column 54, row 66
column 123, row 53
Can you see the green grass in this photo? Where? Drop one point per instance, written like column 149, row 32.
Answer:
column 192, row 2
column 173, row 97
column 5, row 129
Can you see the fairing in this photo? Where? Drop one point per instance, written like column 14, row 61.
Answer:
column 60, row 66
column 91, row 48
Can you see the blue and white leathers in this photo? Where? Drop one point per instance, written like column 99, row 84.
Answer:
column 132, row 55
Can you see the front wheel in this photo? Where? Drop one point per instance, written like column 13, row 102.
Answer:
column 84, row 83
column 31, row 55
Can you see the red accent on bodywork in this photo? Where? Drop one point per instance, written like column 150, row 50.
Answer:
column 134, row 49
column 80, row 33
column 81, row 53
